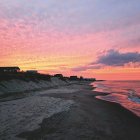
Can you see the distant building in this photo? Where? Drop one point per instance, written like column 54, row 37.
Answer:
column 9, row 69
column 81, row 78
column 67, row 78
column 74, row 78
column 32, row 71
column 58, row 75
column 90, row 79
column 93, row 79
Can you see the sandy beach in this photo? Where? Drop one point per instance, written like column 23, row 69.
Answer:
column 87, row 119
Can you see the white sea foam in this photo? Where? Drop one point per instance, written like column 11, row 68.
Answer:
column 134, row 99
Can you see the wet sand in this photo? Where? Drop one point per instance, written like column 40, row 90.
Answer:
column 88, row 119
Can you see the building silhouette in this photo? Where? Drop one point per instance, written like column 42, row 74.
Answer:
column 9, row 69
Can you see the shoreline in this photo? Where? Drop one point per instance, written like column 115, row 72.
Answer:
column 88, row 119
column 111, row 102
column 121, row 106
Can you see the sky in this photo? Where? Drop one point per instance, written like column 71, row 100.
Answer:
column 92, row 38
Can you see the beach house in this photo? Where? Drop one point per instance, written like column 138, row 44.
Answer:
column 9, row 69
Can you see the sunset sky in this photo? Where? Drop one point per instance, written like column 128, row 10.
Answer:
column 93, row 38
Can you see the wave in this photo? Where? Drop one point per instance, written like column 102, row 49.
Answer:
column 125, row 93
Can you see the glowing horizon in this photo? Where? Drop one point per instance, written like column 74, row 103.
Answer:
column 92, row 38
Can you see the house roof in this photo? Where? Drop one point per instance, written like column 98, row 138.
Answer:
column 9, row 68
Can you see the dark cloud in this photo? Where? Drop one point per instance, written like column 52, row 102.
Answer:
column 115, row 58
column 111, row 58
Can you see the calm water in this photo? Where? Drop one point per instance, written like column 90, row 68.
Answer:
column 126, row 93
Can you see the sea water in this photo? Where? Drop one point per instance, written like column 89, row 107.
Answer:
column 125, row 93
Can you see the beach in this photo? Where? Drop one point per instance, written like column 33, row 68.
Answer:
column 87, row 119
column 69, row 69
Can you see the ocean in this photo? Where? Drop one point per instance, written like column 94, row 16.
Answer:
column 125, row 93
